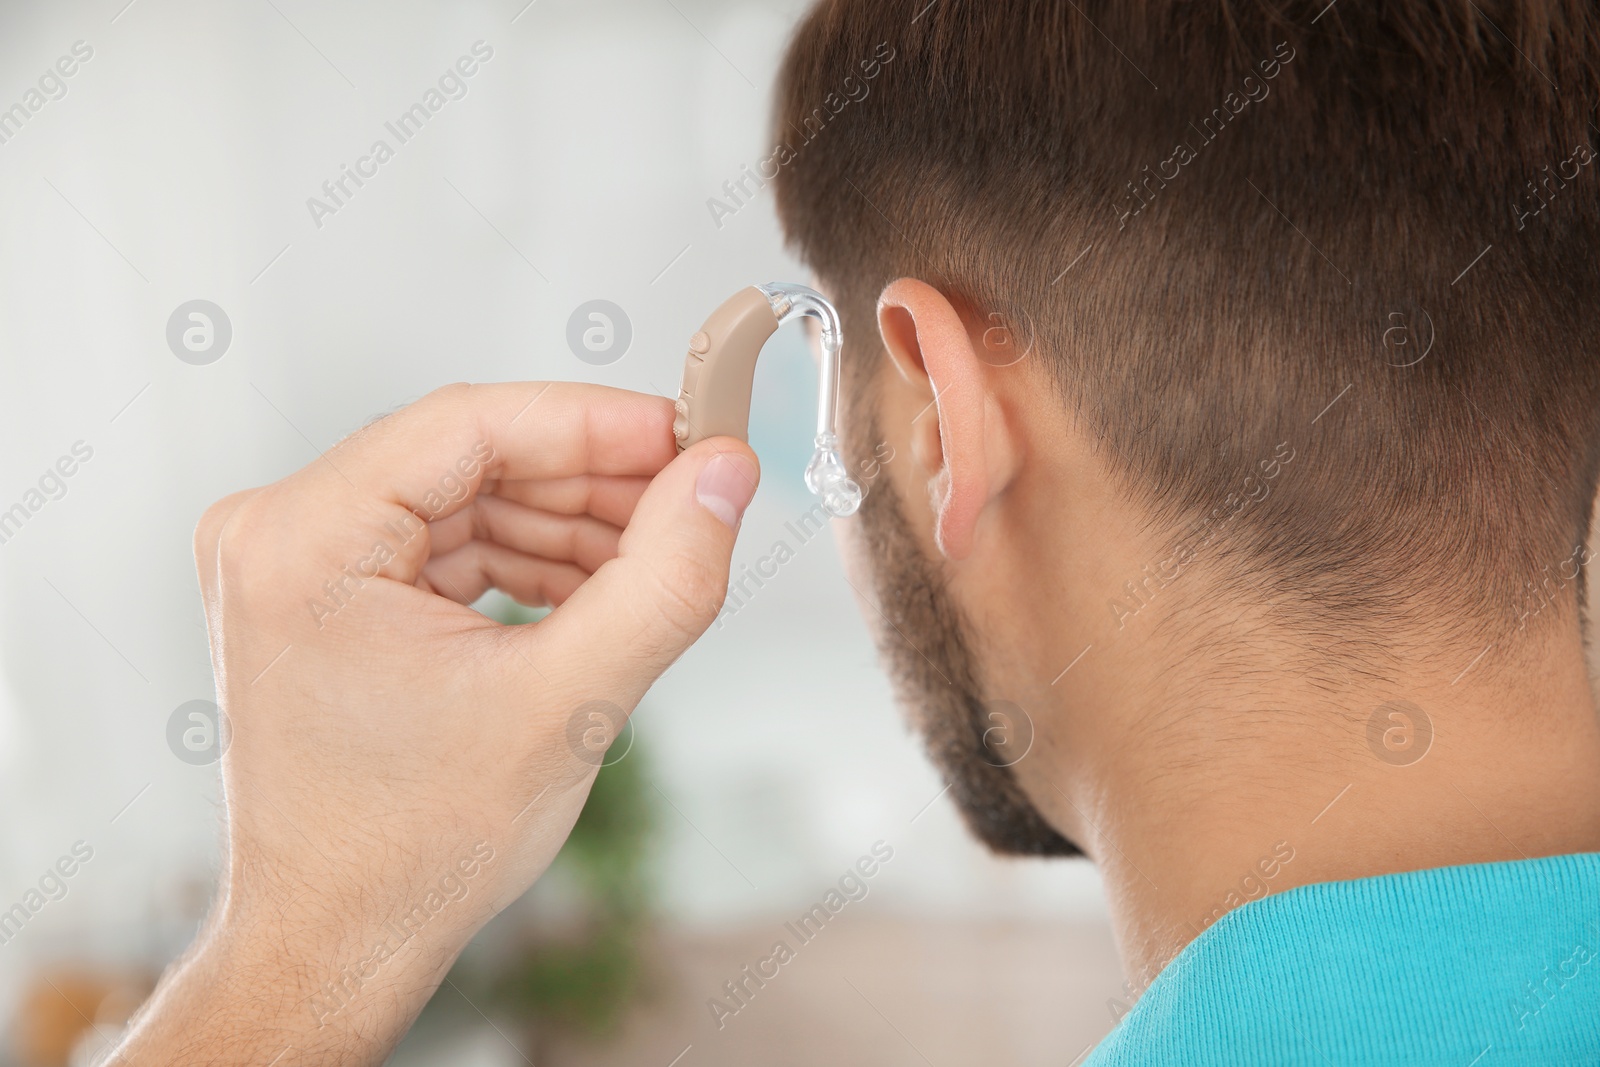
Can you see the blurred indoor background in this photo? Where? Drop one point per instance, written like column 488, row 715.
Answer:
column 165, row 152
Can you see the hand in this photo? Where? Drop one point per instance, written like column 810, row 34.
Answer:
column 400, row 767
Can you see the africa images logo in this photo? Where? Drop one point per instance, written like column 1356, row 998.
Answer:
column 452, row 85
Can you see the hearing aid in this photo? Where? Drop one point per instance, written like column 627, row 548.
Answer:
column 719, row 372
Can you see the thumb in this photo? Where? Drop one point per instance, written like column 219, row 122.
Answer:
column 638, row 613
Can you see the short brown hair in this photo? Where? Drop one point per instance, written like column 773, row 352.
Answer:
column 1351, row 168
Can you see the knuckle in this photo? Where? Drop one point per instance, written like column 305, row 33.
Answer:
column 208, row 531
column 239, row 544
column 446, row 396
column 433, row 409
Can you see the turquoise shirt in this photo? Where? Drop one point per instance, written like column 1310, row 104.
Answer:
column 1482, row 966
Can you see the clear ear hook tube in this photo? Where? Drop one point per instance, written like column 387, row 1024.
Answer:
column 720, row 369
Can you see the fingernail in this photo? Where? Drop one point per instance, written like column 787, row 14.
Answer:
column 725, row 486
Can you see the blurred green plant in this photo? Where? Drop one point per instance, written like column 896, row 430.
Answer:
column 586, row 980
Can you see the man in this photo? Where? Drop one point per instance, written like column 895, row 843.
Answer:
column 1240, row 360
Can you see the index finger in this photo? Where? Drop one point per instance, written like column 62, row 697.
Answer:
column 432, row 457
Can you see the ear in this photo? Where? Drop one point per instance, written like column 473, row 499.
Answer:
column 966, row 450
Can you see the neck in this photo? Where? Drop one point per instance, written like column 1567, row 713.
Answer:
column 1195, row 797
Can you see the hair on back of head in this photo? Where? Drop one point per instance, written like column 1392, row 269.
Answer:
column 1270, row 211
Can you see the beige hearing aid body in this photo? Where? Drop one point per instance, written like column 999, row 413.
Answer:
column 720, row 369
column 719, row 372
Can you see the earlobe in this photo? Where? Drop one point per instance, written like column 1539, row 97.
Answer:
column 929, row 343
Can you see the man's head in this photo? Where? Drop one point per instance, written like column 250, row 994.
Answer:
column 1219, row 340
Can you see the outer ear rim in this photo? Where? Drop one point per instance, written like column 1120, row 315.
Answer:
column 889, row 313
column 947, row 360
